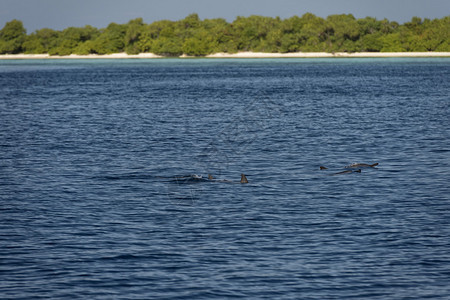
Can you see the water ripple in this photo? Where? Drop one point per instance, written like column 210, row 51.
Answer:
column 96, row 200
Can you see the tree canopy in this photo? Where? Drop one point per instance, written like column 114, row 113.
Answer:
column 12, row 37
column 195, row 37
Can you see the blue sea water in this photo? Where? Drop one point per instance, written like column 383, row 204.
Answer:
column 95, row 202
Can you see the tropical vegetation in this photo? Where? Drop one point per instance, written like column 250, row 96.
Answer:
column 195, row 37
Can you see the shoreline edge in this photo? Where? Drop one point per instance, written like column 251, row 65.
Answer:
column 234, row 55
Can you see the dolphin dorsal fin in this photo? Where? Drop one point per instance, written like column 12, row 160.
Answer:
column 243, row 178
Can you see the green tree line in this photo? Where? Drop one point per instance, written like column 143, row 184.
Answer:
column 196, row 37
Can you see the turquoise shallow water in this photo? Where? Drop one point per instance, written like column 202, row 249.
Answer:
column 94, row 203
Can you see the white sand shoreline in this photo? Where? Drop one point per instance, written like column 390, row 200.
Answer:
column 325, row 54
column 74, row 56
column 236, row 55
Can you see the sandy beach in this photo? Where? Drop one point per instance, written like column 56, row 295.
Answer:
column 325, row 54
column 236, row 55
column 74, row 56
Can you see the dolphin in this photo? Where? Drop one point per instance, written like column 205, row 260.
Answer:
column 190, row 178
column 346, row 172
column 211, row 178
column 354, row 166
column 243, row 178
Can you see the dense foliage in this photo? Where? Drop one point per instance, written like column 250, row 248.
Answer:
column 195, row 37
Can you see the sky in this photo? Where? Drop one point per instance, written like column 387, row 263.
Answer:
column 60, row 14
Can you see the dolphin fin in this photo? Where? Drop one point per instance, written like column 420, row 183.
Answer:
column 243, row 178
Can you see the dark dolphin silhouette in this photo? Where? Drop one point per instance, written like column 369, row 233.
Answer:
column 355, row 166
column 346, row 172
column 243, row 179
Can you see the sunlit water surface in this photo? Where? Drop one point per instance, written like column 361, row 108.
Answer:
column 94, row 205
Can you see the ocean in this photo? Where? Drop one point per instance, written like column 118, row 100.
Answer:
column 104, row 189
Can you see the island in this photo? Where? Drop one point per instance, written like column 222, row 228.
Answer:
column 254, row 36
